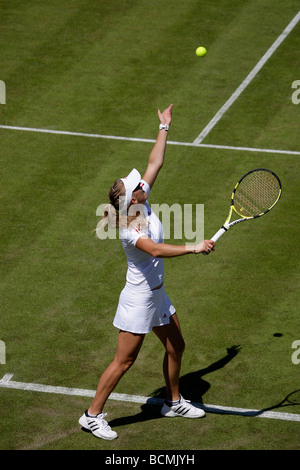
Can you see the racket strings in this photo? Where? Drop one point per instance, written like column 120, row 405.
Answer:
column 256, row 193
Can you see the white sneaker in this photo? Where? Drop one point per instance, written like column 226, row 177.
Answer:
column 97, row 425
column 184, row 409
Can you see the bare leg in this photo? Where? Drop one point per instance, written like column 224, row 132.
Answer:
column 171, row 337
column 129, row 345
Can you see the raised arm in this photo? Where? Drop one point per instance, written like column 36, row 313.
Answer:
column 156, row 158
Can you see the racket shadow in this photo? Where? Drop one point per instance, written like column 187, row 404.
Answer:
column 192, row 387
column 292, row 399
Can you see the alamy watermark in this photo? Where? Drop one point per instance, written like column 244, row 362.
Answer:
column 296, row 354
column 2, row 92
column 2, row 353
column 296, row 94
column 179, row 222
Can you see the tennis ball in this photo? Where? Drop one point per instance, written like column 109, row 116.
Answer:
column 201, row 51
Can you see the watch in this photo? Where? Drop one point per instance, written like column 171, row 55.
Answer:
column 164, row 126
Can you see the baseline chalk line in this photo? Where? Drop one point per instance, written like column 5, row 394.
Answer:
column 152, row 141
column 6, row 382
column 247, row 80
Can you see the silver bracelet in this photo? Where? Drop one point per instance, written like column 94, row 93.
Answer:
column 164, row 126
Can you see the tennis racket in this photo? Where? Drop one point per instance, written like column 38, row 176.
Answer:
column 254, row 195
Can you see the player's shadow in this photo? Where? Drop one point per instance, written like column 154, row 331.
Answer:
column 192, row 387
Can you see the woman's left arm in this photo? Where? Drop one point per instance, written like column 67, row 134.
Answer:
column 156, row 158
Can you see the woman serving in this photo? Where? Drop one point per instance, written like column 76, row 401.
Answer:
column 143, row 304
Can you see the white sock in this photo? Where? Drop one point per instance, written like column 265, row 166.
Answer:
column 172, row 403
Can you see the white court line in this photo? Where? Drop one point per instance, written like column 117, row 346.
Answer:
column 248, row 79
column 136, row 139
column 6, row 382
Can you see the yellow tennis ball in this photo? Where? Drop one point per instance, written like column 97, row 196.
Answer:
column 201, row 51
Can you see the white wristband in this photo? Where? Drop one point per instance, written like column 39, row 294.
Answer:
column 164, row 126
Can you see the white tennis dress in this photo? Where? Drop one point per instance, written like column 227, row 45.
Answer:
column 140, row 307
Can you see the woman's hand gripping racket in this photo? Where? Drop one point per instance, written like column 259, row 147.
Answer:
column 254, row 195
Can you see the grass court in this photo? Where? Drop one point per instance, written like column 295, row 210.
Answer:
column 83, row 82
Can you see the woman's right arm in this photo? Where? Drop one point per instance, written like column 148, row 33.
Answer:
column 165, row 250
column 156, row 158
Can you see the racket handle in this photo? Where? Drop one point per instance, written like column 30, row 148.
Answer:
column 218, row 234
column 216, row 237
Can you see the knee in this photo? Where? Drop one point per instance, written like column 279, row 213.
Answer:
column 128, row 363
column 176, row 350
column 181, row 347
column 125, row 363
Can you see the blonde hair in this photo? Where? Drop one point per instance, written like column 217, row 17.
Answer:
column 111, row 215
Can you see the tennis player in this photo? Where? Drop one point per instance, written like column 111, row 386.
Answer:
column 143, row 304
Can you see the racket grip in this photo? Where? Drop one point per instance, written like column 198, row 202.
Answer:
column 216, row 237
column 218, row 234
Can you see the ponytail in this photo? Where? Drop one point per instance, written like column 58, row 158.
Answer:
column 111, row 217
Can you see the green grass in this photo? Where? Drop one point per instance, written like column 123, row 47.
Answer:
column 104, row 67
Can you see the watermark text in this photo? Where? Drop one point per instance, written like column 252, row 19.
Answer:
column 296, row 94
column 2, row 352
column 2, row 92
column 179, row 222
column 296, row 354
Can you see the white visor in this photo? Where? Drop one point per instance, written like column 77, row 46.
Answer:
column 131, row 182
